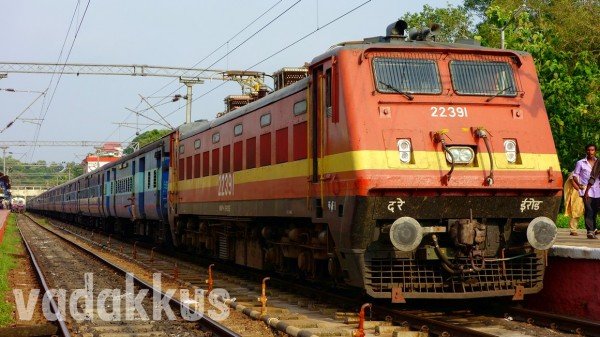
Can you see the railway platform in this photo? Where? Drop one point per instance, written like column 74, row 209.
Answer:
column 571, row 283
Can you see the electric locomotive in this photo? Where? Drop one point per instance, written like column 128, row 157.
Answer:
column 406, row 167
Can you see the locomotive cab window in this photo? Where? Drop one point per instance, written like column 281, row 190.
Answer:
column 483, row 78
column 406, row 76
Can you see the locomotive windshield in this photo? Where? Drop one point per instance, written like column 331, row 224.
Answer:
column 483, row 78
column 394, row 75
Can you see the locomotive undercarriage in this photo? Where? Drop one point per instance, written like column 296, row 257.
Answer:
column 297, row 247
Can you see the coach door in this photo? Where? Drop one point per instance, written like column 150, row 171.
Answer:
column 140, row 185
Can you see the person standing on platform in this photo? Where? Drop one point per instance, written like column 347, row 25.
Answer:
column 573, row 203
column 591, row 196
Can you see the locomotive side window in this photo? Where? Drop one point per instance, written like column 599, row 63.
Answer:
column 265, row 120
column 394, row 75
column 197, row 144
column 300, row 108
column 483, row 78
column 238, row 129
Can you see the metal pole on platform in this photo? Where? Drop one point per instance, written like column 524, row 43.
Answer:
column 4, row 158
column 189, row 82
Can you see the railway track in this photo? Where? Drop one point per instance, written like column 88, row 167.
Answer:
column 305, row 311
column 60, row 265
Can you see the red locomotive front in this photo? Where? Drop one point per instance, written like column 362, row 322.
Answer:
column 411, row 169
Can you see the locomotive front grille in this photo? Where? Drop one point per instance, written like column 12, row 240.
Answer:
column 428, row 277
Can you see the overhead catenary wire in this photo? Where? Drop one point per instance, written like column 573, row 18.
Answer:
column 241, row 44
column 226, row 43
column 43, row 117
column 22, row 112
column 279, row 51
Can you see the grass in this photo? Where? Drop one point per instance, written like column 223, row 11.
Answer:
column 10, row 245
column 562, row 221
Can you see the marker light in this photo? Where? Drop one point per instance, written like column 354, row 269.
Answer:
column 404, row 149
column 510, row 149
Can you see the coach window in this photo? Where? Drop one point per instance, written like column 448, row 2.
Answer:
column 265, row 120
column 300, row 108
column 406, row 76
column 483, row 78
column 197, row 144
column 238, row 129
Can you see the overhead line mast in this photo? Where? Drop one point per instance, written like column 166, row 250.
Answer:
column 249, row 80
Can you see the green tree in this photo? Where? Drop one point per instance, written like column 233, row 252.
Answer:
column 569, row 74
column 454, row 21
column 147, row 138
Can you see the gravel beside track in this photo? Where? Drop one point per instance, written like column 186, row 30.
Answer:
column 64, row 267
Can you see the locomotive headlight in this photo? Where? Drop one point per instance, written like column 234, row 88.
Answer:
column 406, row 234
column 404, row 149
column 541, row 233
column 461, row 154
column 510, row 149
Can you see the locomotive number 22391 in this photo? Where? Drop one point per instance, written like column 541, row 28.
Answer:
column 449, row 112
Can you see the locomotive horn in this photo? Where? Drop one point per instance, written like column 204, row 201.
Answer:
column 406, row 234
column 541, row 233
column 421, row 34
column 396, row 29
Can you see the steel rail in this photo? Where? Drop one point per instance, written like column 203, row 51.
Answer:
column 59, row 317
column 204, row 322
column 400, row 317
column 574, row 325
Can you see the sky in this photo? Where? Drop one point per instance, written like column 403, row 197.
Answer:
column 160, row 33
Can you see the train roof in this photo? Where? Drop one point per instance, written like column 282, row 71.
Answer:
column 384, row 43
column 191, row 129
